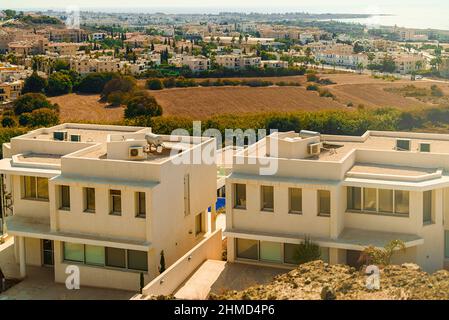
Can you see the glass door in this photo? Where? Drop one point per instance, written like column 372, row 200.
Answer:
column 47, row 252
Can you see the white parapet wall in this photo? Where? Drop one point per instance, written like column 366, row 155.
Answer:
column 168, row 281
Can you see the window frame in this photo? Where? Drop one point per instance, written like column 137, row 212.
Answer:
column 139, row 212
column 113, row 195
column 61, row 198
column 235, row 204
column 34, row 180
column 320, row 213
column 290, row 210
column 262, row 198
column 377, row 211
column 86, row 199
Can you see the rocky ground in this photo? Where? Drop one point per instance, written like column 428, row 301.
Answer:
column 319, row 280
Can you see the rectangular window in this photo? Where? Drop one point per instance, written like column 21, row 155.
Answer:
column 240, row 196
column 267, row 198
column 64, row 194
column 370, row 199
column 354, row 198
column 94, row 255
column 137, row 260
column 446, row 244
column 116, row 257
column 115, row 202
column 141, row 208
column 89, row 199
column 295, row 200
column 248, row 249
column 386, row 200
column 401, row 201
column 290, row 253
column 198, row 224
column 42, row 188
column 427, row 207
column 35, row 188
column 73, row 252
column 270, row 251
column 324, row 202
column 29, row 187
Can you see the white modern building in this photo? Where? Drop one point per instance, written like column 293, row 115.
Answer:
column 344, row 192
column 108, row 199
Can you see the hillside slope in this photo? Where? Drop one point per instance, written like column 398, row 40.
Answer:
column 319, row 280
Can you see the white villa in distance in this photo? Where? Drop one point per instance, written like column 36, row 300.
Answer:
column 345, row 193
column 106, row 198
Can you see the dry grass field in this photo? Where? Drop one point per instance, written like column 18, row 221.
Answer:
column 76, row 107
column 201, row 102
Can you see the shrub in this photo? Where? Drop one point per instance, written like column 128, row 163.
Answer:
column 125, row 84
column 154, row 84
column 436, row 91
column 25, row 119
column 381, row 256
column 44, row 118
column 58, row 84
column 307, row 251
column 8, row 122
column 326, row 93
column 283, row 123
column 32, row 101
column 95, row 82
column 312, row 77
column 142, row 104
column 35, row 84
column 312, row 87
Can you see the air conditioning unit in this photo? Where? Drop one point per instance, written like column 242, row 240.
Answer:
column 403, row 144
column 314, row 149
column 60, row 135
column 424, row 147
column 75, row 137
column 136, row 153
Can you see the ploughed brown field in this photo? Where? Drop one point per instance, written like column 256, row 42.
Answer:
column 202, row 102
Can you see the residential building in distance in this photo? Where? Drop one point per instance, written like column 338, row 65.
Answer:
column 344, row 192
column 108, row 199
column 196, row 63
column 238, row 61
column 274, row 64
column 10, row 91
column 342, row 58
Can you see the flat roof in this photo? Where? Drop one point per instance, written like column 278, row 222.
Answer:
column 336, row 147
column 40, row 158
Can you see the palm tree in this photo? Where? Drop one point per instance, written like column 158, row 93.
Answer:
column 381, row 256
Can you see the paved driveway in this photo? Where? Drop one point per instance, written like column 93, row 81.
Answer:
column 39, row 283
column 220, row 276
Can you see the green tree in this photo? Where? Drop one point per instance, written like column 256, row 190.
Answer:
column 124, row 84
column 44, row 118
column 8, row 122
column 155, row 84
column 95, row 82
column 32, row 101
column 59, row 84
column 142, row 104
column 34, row 83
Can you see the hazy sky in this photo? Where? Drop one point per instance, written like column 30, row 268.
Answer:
column 363, row 6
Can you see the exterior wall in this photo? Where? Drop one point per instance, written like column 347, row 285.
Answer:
column 176, row 274
column 38, row 209
column 33, row 251
column 98, row 276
